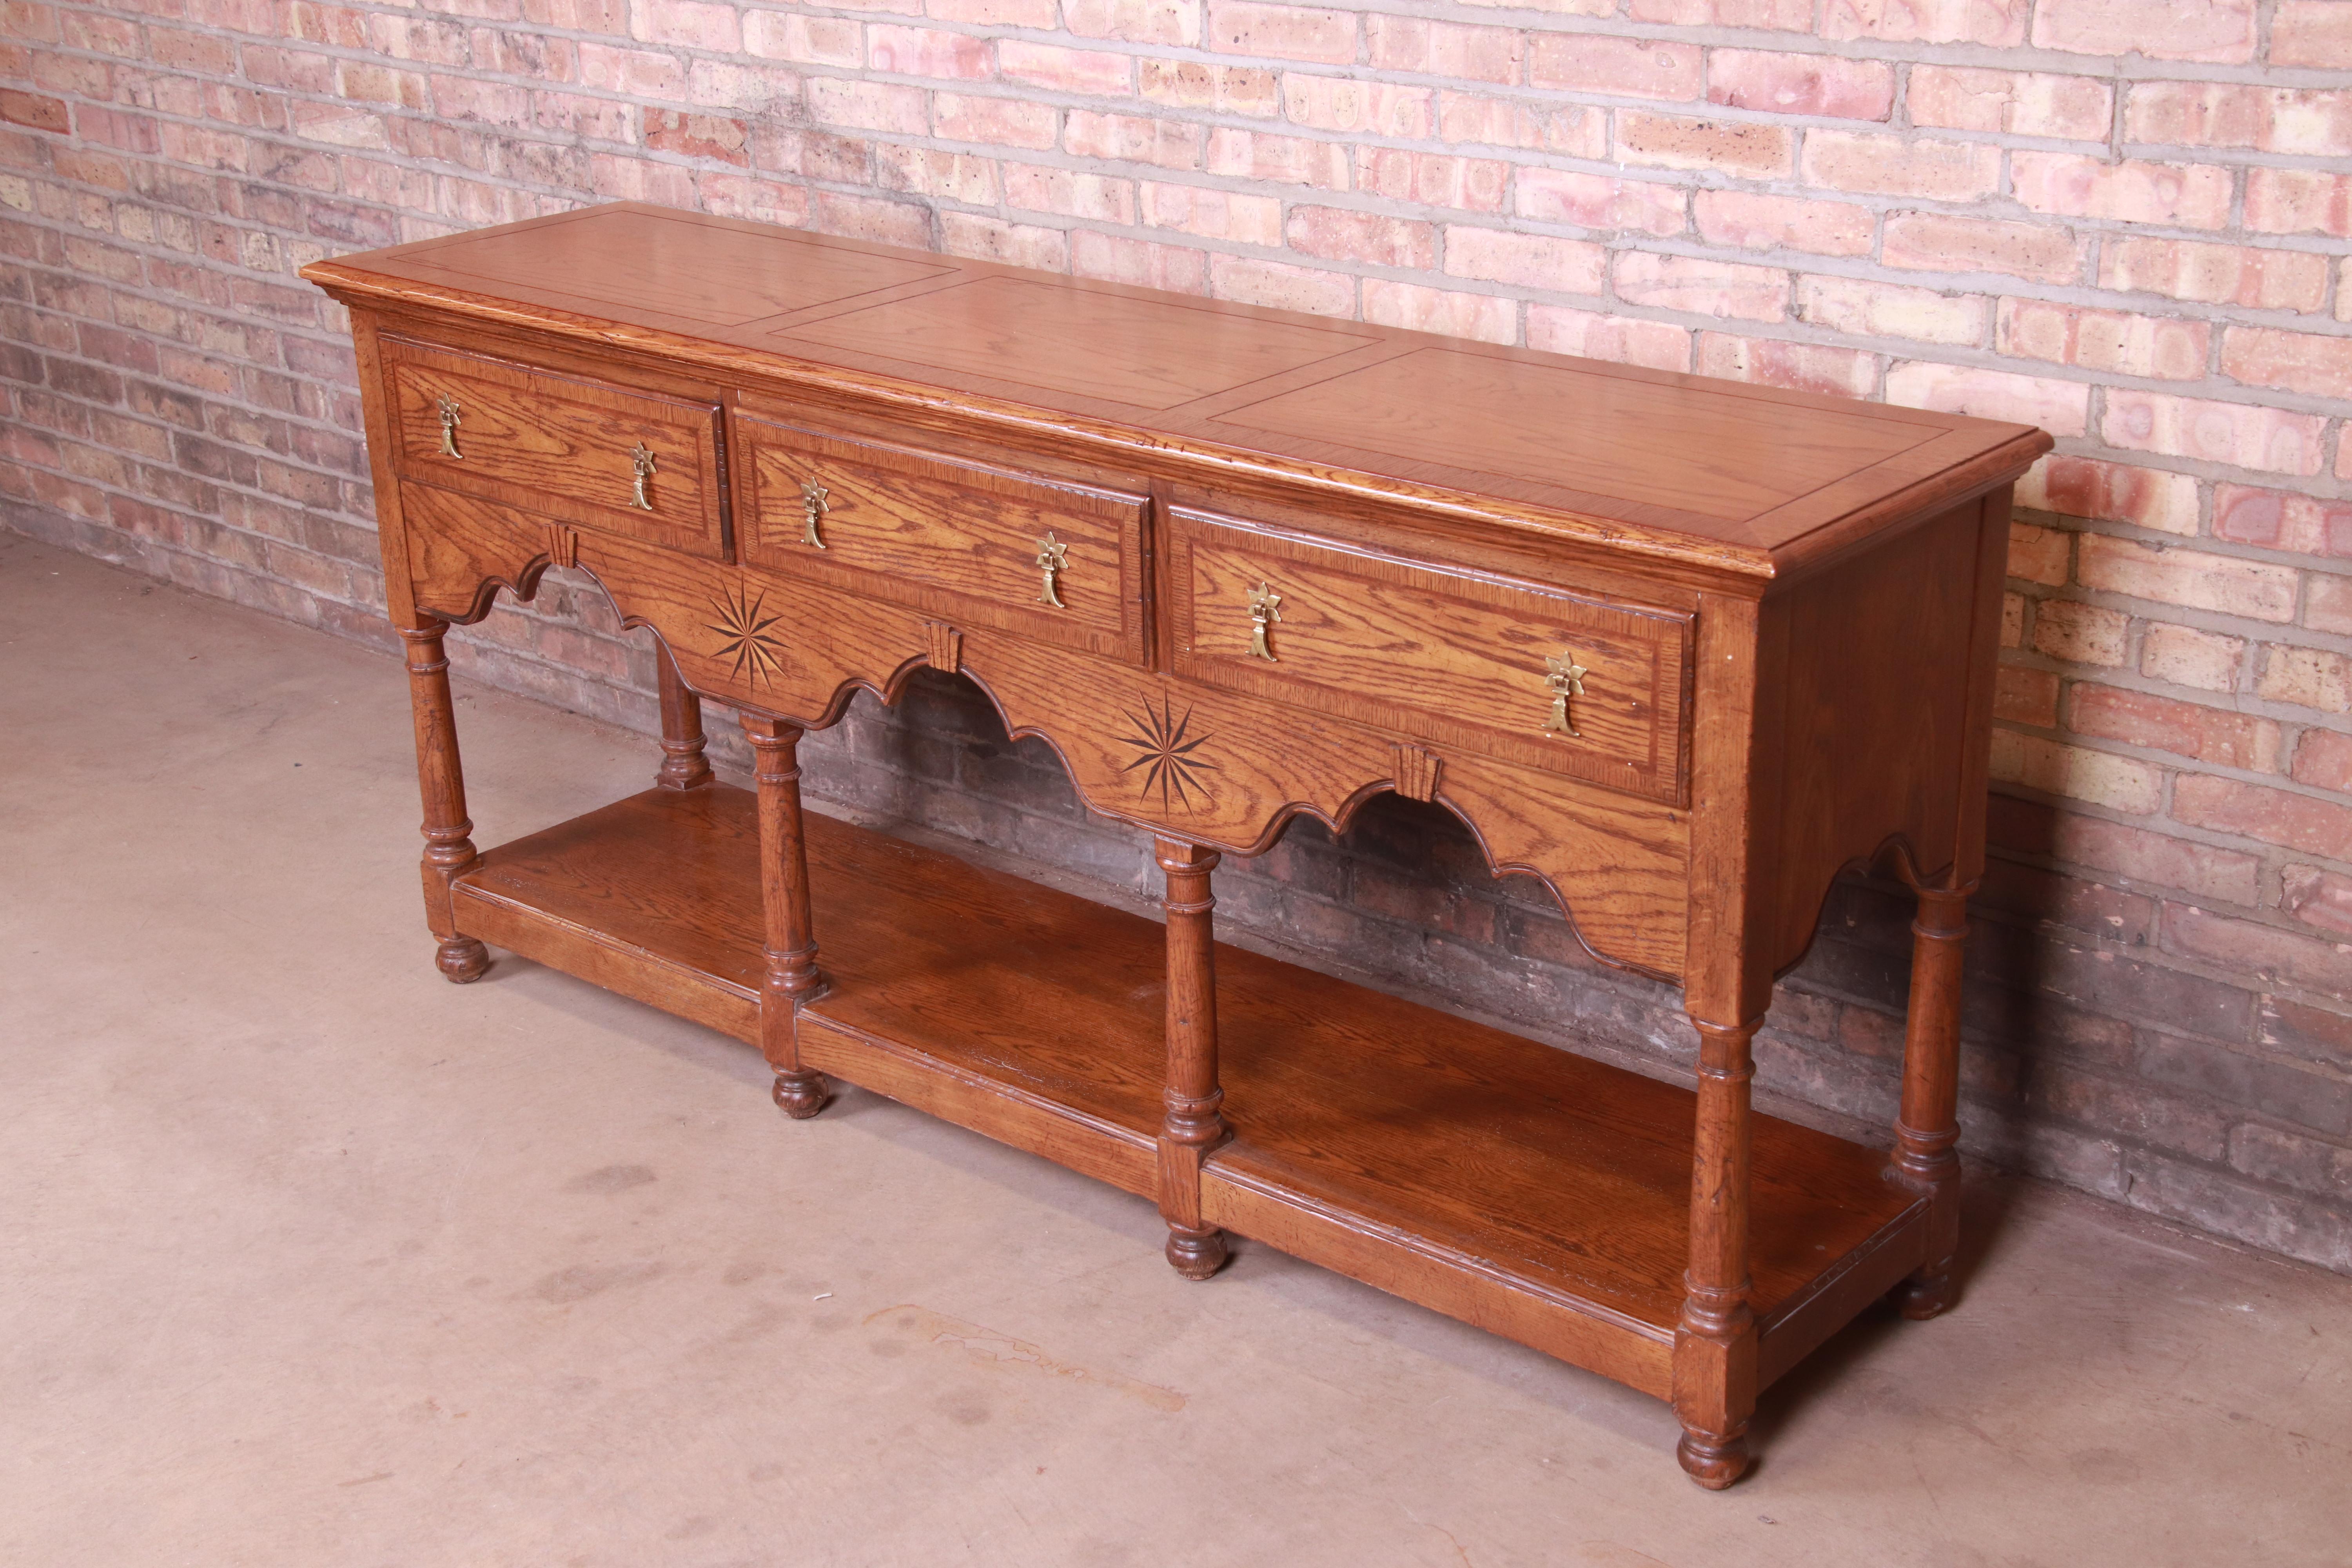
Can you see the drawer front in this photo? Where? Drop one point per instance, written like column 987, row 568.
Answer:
column 1454, row 656
column 976, row 545
column 630, row 462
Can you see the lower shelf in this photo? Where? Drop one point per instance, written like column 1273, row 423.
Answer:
column 1529, row 1191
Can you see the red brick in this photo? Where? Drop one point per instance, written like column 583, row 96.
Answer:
column 1176, row 22
column 2080, row 633
column 2185, row 656
column 1620, row 68
column 2024, row 696
column 2188, row 577
column 2306, row 677
column 2218, row 32
column 2020, row 103
column 1998, row 23
column 1489, row 318
column 2305, row 123
column 2061, row 407
column 2299, row 201
column 2307, row 363
column 1284, row 32
column 2323, row 759
column 1800, row 367
column 1342, row 235
column 2103, row 778
column 2134, row 853
column 1343, row 104
column 698, row 136
column 2257, row 811
column 1931, row 242
column 2311, row 33
column 1254, row 155
column 1599, row 202
column 1440, row 48
column 2283, row 519
column 2044, row 556
column 2250, row 947
column 2215, row 274
column 1701, row 287
column 1084, row 71
column 1754, row 222
column 2327, row 603
column 1620, row 340
column 1730, row 147
column 1826, row 85
column 1901, row 165
column 1526, row 261
column 2111, row 492
column 2159, row 347
column 2318, row 897
column 33, row 110
column 2248, row 435
column 2191, row 730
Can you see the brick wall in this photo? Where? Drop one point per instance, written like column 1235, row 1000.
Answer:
column 2124, row 220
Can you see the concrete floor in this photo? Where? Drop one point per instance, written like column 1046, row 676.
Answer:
column 314, row 1259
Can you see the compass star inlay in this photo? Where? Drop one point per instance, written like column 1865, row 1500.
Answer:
column 751, row 650
column 1167, row 750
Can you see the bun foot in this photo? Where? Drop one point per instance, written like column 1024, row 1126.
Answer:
column 801, row 1095
column 1923, row 1296
column 462, row 960
column 1713, row 1462
column 1195, row 1254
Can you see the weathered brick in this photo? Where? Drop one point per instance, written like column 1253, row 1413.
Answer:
column 1345, row 104
column 1826, row 85
column 2299, row 201
column 1933, row 242
column 2157, row 347
column 2020, row 103
column 1701, row 287
column 1998, row 23
column 1619, row 68
column 1573, row 130
column 2215, row 274
column 1432, row 179
column 2292, row 1159
column 2320, row 898
column 2272, row 816
column 2218, row 32
column 2185, row 656
column 1254, row 155
column 2061, row 407
column 1284, row 32
column 2188, row 577
column 2189, row 729
column 1424, row 48
column 2283, row 519
column 1175, row 22
column 1281, row 286
column 2327, row 603
column 2111, row 492
column 1754, row 222
column 1117, row 259
column 1084, row 71
column 1210, row 213
column 1893, row 165
column 1341, row 234
column 2023, row 696
column 2044, row 556
column 1802, row 367
column 2304, row 123
column 1526, row 261
column 2323, row 759
column 1489, row 318
column 2247, row 435
column 2306, row 362
column 2080, row 633
column 2267, row 952
column 1622, row 339
column 2311, row 33
column 1728, row 147
column 2103, row 778
column 1891, row 311
column 1600, row 202
column 2306, row 677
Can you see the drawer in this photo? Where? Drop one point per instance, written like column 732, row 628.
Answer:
column 1451, row 656
column 966, row 542
column 558, row 446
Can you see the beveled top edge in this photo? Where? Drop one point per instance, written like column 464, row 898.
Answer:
column 1971, row 453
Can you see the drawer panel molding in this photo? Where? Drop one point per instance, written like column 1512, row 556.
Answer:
column 1524, row 673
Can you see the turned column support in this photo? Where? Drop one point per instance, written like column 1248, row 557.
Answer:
column 1715, row 1340
column 1194, row 1123
column 793, row 976
column 441, row 780
column 683, row 764
column 1927, row 1129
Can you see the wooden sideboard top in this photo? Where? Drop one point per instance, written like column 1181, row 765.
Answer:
column 1719, row 474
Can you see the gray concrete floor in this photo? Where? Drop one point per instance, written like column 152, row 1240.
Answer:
column 314, row 1259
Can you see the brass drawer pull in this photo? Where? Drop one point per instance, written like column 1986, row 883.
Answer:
column 1051, row 555
column 1564, row 677
column 812, row 508
column 449, row 415
column 1265, row 608
column 642, row 460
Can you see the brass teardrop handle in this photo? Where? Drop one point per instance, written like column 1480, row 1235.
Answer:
column 812, row 508
column 1052, row 555
column 448, row 407
column 1564, row 677
column 641, row 461
column 1265, row 608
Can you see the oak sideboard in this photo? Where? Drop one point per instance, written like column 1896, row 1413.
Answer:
column 1680, row 649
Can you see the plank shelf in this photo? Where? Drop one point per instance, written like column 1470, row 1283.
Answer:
column 1533, row 1191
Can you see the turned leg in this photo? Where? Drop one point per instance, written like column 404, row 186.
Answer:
column 683, row 763
column 793, row 975
column 1715, row 1342
column 1193, row 1124
column 1927, row 1130
column 449, row 847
